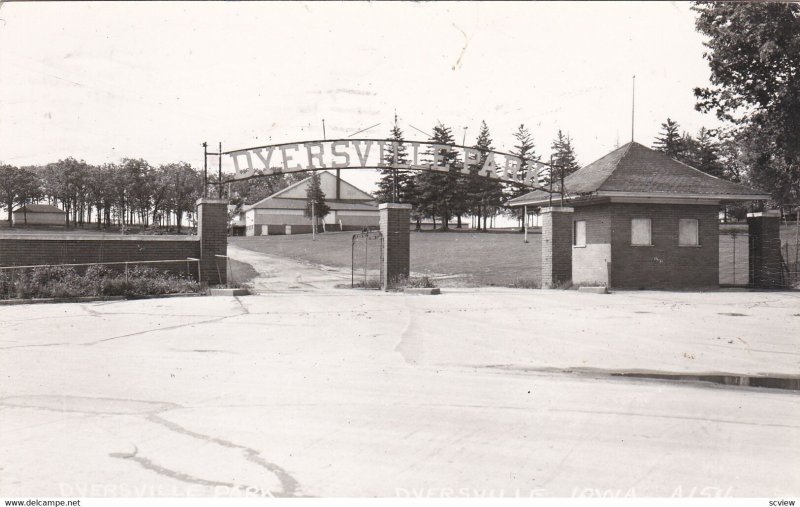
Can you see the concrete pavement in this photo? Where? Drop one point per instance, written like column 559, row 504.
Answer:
column 342, row 393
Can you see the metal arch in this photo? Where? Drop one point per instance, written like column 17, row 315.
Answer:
column 411, row 167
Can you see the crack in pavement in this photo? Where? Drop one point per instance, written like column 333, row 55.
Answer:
column 151, row 410
column 289, row 485
column 180, row 476
column 168, row 328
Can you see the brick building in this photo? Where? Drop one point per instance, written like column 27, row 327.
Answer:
column 635, row 219
column 283, row 211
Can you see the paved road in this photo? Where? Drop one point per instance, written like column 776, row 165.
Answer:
column 334, row 394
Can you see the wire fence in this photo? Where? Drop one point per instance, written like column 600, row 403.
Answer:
column 790, row 263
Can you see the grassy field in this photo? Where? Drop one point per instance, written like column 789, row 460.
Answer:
column 471, row 259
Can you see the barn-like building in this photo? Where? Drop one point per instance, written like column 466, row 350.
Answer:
column 283, row 212
column 39, row 214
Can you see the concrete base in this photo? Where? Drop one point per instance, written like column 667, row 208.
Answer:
column 228, row 292
column 593, row 290
column 418, row 290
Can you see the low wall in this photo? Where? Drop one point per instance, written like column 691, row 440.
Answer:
column 210, row 246
column 34, row 249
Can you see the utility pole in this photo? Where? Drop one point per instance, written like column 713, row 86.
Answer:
column 633, row 104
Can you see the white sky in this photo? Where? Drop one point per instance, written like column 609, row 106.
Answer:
column 102, row 81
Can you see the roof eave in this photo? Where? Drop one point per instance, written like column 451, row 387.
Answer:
column 640, row 195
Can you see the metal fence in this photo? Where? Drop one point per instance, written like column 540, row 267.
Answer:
column 365, row 261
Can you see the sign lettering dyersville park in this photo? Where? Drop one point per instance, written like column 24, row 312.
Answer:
column 372, row 154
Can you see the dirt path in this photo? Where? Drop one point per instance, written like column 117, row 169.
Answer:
column 278, row 274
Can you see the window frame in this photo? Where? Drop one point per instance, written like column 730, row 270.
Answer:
column 649, row 231
column 575, row 234
column 696, row 244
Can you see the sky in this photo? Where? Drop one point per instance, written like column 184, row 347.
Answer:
column 102, row 81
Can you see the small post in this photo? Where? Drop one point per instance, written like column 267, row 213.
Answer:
column 525, row 222
column 366, row 257
column 313, row 220
column 205, row 169
column 219, row 173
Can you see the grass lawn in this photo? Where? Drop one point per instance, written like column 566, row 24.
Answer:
column 477, row 259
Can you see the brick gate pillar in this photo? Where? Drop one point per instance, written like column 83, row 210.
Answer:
column 212, row 228
column 396, row 231
column 766, row 270
column 556, row 246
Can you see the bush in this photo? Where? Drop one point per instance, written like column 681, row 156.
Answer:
column 526, row 283
column 423, row 282
column 97, row 280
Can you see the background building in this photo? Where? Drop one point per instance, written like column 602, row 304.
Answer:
column 39, row 214
column 282, row 212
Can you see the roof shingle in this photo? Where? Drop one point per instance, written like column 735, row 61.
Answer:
column 636, row 169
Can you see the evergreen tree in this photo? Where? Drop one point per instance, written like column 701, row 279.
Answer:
column 437, row 191
column 315, row 199
column 669, row 140
column 526, row 151
column 484, row 194
column 396, row 185
column 564, row 154
column 702, row 153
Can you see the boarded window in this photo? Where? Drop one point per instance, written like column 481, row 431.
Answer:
column 640, row 232
column 687, row 232
column 579, row 233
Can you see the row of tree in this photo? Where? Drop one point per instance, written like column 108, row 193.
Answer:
column 445, row 195
column 131, row 192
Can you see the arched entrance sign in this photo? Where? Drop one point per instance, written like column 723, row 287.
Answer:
column 373, row 154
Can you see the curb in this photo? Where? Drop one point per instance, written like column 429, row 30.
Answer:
column 228, row 292
column 414, row 290
column 593, row 290
column 89, row 299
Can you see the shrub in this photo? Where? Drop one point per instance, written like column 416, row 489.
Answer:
column 422, row 282
column 526, row 283
column 98, row 280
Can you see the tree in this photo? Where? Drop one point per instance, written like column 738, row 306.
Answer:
column 564, row 154
column 315, row 196
column 186, row 185
column 66, row 181
column 485, row 195
column 754, row 58
column 18, row 187
column 396, row 185
column 526, row 151
column 437, row 192
column 669, row 141
column 702, row 153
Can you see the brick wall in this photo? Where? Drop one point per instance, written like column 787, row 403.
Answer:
column 556, row 246
column 665, row 264
column 35, row 249
column 394, row 219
